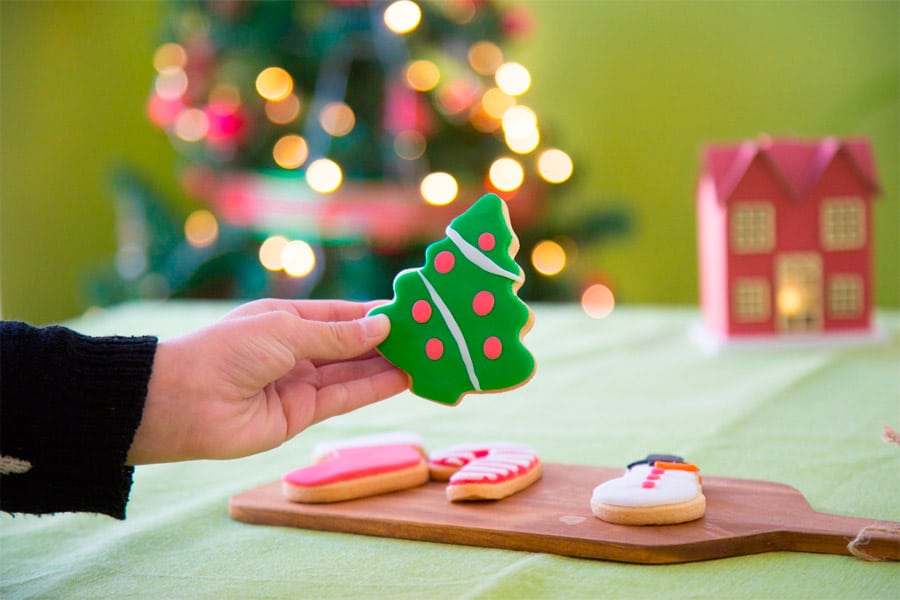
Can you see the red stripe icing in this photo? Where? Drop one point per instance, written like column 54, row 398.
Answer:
column 497, row 467
column 347, row 464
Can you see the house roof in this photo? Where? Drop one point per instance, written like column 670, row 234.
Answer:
column 796, row 164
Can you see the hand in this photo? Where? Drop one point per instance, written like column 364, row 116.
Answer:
column 259, row 376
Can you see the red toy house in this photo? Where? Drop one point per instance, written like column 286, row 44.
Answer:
column 785, row 237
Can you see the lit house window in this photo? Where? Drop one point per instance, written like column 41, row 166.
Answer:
column 845, row 296
column 750, row 300
column 843, row 225
column 799, row 291
column 752, row 227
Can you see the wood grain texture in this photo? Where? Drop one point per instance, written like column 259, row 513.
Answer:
column 554, row 516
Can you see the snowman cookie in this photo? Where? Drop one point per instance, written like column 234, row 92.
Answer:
column 658, row 490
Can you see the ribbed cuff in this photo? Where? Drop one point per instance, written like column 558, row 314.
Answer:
column 70, row 406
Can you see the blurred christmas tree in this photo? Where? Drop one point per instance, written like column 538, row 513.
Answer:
column 332, row 140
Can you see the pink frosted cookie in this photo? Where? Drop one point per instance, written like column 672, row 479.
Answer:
column 322, row 450
column 485, row 472
column 456, row 322
column 348, row 473
column 659, row 490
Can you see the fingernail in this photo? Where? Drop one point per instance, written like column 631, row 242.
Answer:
column 376, row 325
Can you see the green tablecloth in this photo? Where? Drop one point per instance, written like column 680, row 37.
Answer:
column 606, row 392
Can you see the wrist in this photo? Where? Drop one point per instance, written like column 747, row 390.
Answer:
column 158, row 437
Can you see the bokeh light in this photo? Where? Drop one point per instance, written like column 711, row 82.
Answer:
column 496, row 102
column 519, row 121
column 283, row 111
column 337, row 119
column 485, row 57
column 201, row 229
column 459, row 11
column 274, row 83
column 298, row 258
column 520, row 129
column 456, row 96
column 409, row 144
column 270, row 252
column 548, row 258
column 598, row 301
column 481, row 120
column 506, row 174
column 439, row 188
column 402, row 16
column 523, row 144
column 290, row 151
column 163, row 112
column 225, row 123
column 513, row 78
column 554, row 166
column 324, row 175
column 169, row 55
column 131, row 261
column 422, row 75
column 171, row 83
column 225, row 94
column 191, row 125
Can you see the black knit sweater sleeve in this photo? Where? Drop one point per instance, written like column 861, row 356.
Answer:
column 69, row 408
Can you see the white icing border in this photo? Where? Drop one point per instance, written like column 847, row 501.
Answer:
column 390, row 438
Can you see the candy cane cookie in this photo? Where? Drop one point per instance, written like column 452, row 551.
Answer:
column 658, row 490
column 485, row 472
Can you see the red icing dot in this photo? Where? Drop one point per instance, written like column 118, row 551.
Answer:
column 657, row 471
column 434, row 348
column 444, row 261
column 483, row 303
column 421, row 311
column 648, row 484
column 492, row 348
column 486, row 241
column 653, row 477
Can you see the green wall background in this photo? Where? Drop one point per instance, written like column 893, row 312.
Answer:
column 631, row 89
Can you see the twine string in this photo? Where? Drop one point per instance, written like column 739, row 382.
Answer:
column 864, row 537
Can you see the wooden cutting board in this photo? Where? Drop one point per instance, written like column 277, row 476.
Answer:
column 554, row 516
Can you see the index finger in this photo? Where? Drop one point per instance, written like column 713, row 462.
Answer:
column 312, row 310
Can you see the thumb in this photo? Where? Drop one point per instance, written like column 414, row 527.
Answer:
column 335, row 340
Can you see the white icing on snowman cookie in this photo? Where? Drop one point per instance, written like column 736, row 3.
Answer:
column 651, row 485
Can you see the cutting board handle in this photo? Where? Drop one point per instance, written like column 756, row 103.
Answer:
column 876, row 543
column 866, row 539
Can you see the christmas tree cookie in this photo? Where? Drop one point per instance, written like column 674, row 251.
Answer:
column 456, row 322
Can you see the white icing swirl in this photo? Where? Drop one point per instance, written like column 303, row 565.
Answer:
column 455, row 331
column 479, row 258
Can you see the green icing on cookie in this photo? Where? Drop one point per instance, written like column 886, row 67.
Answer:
column 456, row 322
